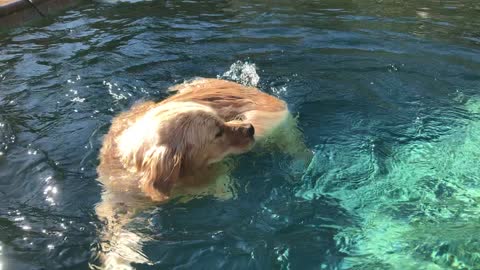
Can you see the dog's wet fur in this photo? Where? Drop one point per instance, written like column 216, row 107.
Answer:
column 156, row 151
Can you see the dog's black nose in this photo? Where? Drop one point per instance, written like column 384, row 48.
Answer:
column 251, row 130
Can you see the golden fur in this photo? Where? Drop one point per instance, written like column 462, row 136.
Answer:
column 157, row 146
column 175, row 145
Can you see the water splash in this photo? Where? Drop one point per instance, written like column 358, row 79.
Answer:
column 115, row 91
column 242, row 72
column 279, row 91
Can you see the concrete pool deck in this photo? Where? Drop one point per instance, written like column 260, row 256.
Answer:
column 16, row 12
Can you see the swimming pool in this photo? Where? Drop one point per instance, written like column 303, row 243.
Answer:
column 386, row 93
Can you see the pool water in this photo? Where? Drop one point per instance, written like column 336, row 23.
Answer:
column 386, row 93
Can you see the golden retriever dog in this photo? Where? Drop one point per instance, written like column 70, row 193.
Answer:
column 156, row 149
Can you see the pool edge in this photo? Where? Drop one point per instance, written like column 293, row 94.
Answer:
column 14, row 13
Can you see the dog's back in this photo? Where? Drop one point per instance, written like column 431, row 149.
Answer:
column 235, row 101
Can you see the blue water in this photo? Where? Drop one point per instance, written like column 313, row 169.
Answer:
column 386, row 93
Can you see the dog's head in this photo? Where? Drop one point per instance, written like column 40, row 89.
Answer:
column 177, row 138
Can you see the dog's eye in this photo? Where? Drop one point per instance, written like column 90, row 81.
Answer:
column 219, row 133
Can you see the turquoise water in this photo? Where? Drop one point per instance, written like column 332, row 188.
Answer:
column 386, row 93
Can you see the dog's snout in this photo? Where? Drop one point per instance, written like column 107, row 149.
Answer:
column 250, row 130
column 241, row 129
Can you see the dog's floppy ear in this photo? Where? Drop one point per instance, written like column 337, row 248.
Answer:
column 160, row 168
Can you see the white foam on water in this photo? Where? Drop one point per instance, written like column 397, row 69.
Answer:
column 78, row 99
column 242, row 72
column 114, row 90
column 279, row 91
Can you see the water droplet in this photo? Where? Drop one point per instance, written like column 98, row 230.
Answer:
column 245, row 73
column 78, row 99
column 50, row 200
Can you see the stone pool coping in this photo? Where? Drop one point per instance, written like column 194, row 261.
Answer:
column 17, row 12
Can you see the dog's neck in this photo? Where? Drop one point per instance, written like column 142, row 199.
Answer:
column 199, row 176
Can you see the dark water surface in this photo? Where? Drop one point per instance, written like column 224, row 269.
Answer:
column 386, row 93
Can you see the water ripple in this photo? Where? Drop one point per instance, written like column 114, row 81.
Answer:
column 385, row 93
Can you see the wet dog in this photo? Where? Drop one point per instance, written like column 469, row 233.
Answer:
column 157, row 150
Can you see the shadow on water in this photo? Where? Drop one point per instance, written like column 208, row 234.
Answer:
column 385, row 92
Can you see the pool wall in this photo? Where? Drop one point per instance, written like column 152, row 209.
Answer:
column 16, row 12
